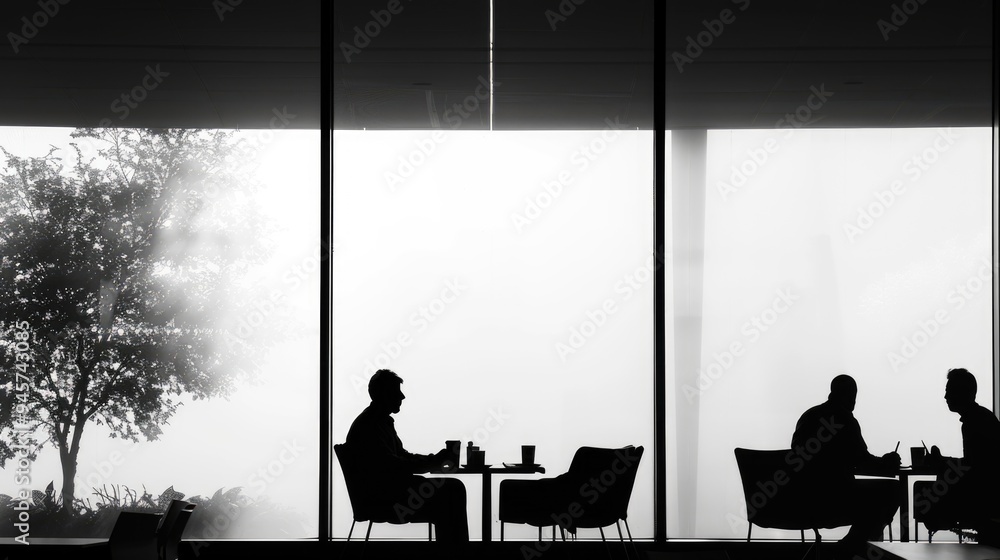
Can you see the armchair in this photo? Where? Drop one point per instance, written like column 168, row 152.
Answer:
column 593, row 493
column 777, row 499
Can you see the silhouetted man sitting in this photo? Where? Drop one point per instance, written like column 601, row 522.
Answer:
column 967, row 490
column 390, row 471
column 828, row 440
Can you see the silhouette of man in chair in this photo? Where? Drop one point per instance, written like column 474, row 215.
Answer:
column 967, row 489
column 828, row 439
column 391, row 472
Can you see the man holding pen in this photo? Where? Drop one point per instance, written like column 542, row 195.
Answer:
column 834, row 450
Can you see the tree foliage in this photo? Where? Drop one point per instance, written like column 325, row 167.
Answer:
column 125, row 269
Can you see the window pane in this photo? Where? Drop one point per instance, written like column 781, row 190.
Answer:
column 203, row 280
column 507, row 278
column 866, row 252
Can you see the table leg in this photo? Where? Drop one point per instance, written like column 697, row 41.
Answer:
column 904, row 508
column 487, row 506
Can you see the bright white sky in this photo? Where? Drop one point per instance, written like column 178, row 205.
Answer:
column 870, row 235
column 477, row 265
column 217, row 443
column 539, row 230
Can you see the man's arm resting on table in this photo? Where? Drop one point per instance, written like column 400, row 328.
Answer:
column 416, row 463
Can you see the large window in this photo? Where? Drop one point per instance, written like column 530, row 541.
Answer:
column 185, row 286
column 507, row 277
column 865, row 252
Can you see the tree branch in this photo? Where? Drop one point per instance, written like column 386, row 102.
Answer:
column 105, row 396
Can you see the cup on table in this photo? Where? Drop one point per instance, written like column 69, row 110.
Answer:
column 477, row 458
column 917, row 455
column 454, row 448
column 527, row 454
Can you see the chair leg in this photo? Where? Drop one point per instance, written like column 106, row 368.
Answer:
column 606, row 545
column 539, row 533
column 749, row 530
column 622, row 538
column 553, row 533
column 814, row 546
column 562, row 533
column 430, row 526
column 501, row 531
column 629, row 531
column 351, row 532
column 802, row 534
column 367, row 534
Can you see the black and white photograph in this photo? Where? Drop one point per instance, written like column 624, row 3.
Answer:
column 525, row 279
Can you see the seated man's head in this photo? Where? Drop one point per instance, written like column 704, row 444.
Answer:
column 844, row 392
column 960, row 390
column 384, row 389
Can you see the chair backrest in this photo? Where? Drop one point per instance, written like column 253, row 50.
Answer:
column 779, row 497
column 134, row 536
column 346, row 460
column 364, row 501
column 168, row 535
column 371, row 492
column 602, row 480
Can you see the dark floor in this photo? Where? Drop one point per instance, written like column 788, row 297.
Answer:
column 712, row 550
column 476, row 550
column 521, row 550
column 546, row 550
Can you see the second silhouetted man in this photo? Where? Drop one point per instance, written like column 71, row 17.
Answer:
column 828, row 439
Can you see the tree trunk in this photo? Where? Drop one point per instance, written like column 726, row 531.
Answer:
column 68, row 460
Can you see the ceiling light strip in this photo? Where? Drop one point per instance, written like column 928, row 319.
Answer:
column 491, row 65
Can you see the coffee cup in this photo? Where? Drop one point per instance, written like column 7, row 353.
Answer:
column 454, row 448
column 527, row 454
column 477, row 458
column 917, row 455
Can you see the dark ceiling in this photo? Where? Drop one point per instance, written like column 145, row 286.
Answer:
column 228, row 63
column 574, row 63
column 557, row 64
